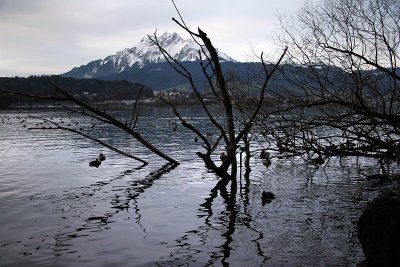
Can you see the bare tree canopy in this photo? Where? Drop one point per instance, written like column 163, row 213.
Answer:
column 230, row 131
column 343, row 72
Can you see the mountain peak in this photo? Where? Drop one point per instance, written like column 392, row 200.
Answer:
column 170, row 37
column 143, row 53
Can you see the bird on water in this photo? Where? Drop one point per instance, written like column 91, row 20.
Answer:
column 267, row 197
column 102, row 157
column 95, row 163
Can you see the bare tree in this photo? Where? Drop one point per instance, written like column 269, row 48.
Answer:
column 343, row 94
column 230, row 133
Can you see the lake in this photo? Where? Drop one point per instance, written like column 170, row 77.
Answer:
column 56, row 210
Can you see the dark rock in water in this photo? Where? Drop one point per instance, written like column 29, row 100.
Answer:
column 362, row 264
column 267, row 197
column 379, row 230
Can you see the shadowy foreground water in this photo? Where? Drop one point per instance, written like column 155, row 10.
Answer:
column 57, row 211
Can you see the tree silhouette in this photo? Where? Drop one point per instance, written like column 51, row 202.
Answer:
column 343, row 97
column 231, row 132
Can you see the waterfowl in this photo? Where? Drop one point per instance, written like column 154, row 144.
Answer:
column 264, row 154
column 267, row 197
column 266, row 162
column 317, row 161
column 95, row 163
column 174, row 125
column 222, row 156
column 102, row 157
column 280, row 146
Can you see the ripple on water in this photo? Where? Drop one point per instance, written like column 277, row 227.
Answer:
column 119, row 214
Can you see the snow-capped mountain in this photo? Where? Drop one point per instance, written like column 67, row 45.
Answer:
column 142, row 54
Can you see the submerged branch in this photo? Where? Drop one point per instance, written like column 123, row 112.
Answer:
column 59, row 127
column 102, row 116
column 119, row 125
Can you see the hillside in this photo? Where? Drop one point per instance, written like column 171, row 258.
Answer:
column 94, row 88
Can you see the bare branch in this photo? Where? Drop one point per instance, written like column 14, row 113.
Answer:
column 59, row 127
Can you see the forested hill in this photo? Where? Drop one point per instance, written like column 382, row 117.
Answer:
column 106, row 90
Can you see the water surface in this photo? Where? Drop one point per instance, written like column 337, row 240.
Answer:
column 57, row 211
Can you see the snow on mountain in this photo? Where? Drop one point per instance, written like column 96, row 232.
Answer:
column 143, row 53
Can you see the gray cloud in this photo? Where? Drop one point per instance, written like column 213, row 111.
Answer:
column 52, row 36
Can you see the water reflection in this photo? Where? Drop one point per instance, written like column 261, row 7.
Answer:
column 74, row 215
column 225, row 222
column 313, row 218
column 123, row 198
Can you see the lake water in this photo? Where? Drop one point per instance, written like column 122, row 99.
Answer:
column 55, row 210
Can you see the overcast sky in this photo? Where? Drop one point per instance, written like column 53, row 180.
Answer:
column 53, row 36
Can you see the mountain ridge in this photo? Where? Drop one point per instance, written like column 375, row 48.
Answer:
column 142, row 54
column 145, row 64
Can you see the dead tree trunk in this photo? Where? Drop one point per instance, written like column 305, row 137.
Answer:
column 218, row 85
